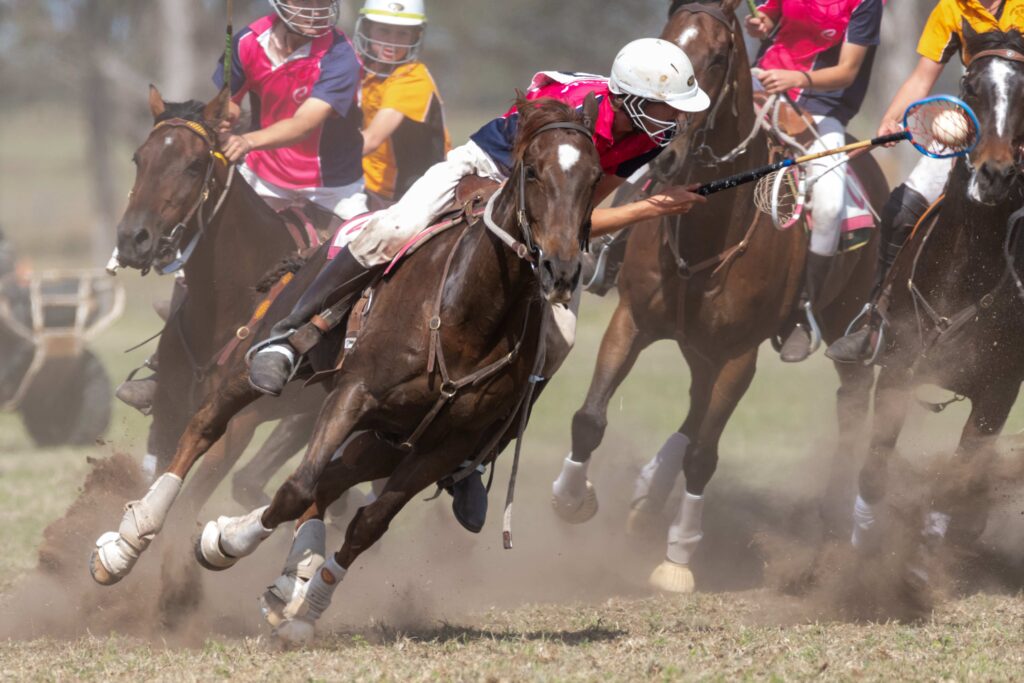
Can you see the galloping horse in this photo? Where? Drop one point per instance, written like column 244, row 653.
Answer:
column 955, row 310
column 186, row 199
column 718, row 281
column 447, row 374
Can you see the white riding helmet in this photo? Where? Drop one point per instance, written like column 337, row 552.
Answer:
column 651, row 69
column 404, row 13
column 317, row 21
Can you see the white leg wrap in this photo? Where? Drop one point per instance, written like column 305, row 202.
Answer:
column 304, row 558
column 658, row 477
column 685, row 533
column 228, row 539
column 140, row 524
column 313, row 598
column 865, row 525
column 571, row 484
column 936, row 524
column 148, row 466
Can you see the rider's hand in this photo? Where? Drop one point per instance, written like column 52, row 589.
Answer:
column 235, row 147
column 888, row 128
column 781, row 80
column 227, row 123
column 759, row 26
column 676, row 199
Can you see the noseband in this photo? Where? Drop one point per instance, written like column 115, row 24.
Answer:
column 528, row 249
column 171, row 242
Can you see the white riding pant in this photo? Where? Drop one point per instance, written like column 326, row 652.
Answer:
column 828, row 193
column 929, row 177
column 381, row 238
column 345, row 201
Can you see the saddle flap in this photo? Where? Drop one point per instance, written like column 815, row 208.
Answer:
column 473, row 189
column 791, row 122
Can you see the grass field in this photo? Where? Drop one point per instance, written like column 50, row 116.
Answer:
column 568, row 603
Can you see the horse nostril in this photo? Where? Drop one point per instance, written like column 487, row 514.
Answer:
column 142, row 237
column 549, row 269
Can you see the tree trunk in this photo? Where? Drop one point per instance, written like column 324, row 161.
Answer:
column 179, row 50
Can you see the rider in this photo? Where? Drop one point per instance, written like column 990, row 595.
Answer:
column 652, row 84
column 941, row 39
column 403, row 118
column 302, row 76
column 820, row 57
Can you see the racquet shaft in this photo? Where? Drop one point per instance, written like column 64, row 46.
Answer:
column 757, row 173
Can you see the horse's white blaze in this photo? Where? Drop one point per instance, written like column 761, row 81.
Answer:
column 567, row 157
column 686, row 36
column 999, row 71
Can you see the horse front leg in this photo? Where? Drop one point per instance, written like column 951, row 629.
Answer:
column 117, row 552
column 227, row 539
column 364, row 458
column 573, row 497
column 414, row 473
column 729, row 385
column 287, row 439
column 892, row 395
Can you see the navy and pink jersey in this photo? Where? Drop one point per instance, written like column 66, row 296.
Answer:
column 810, row 36
column 620, row 158
column 325, row 68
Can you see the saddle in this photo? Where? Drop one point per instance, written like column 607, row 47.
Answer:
column 794, row 123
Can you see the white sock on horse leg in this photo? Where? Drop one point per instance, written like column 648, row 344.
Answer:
column 572, row 480
column 685, row 533
column 658, row 477
column 239, row 536
column 865, row 524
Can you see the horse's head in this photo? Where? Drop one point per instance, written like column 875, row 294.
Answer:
column 709, row 34
column 992, row 87
column 174, row 170
column 555, row 175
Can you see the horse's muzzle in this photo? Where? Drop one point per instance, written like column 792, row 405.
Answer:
column 992, row 181
column 559, row 278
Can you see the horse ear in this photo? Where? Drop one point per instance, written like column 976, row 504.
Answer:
column 590, row 107
column 731, row 5
column 968, row 32
column 156, row 103
column 216, row 109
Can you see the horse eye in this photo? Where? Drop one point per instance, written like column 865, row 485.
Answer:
column 531, row 173
column 195, row 168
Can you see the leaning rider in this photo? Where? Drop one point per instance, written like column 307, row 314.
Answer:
column 651, row 86
column 820, row 56
column 404, row 131
column 302, row 76
column 941, row 39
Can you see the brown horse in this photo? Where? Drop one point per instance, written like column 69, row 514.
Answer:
column 186, row 199
column 458, row 365
column 955, row 312
column 718, row 281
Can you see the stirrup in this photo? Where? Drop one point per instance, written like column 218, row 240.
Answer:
column 273, row 339
column 812, row 323
column 601, row 266
column 866, row 312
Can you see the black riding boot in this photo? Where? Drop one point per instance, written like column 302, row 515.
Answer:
column 797, row 346
column 899, row 216
column 139, row 393
column 469, row 501
column 341, row 279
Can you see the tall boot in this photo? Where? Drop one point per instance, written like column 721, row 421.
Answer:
column 797, row 346
column 139, row 393
column 899, row 216
column 340, row 280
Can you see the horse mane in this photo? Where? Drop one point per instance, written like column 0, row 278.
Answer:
column 995, row 40
column 289, row 264
column 192, row 110
column 534, row 115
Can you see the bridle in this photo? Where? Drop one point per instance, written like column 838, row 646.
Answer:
column 1011, row 55
column 170, row 243
column 527, row 249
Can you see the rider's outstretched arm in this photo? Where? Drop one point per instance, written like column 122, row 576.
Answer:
column 916, row 87
column 671, row 200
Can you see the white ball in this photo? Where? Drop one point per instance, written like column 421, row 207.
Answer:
column 950, row 128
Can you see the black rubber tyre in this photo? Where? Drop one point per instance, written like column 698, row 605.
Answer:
column 69, row 405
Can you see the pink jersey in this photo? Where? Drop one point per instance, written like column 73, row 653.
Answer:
column 325, row 68
column 620, row 158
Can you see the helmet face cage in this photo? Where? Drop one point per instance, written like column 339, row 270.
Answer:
column 377, row 65
column 315, row 21
column 658, row 130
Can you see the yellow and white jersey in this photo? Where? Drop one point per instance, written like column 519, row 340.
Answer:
column 420, row 141
column 943, row 34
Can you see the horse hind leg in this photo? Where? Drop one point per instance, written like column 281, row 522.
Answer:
column 364, row 458
column 117, row 552
column 287, row 439
column 414, row 473
column 729, row 385
column 573, row 496
column 227, row 539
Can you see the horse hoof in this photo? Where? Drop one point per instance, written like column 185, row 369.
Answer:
column 208, row 552
column 670, row 577
column 576, row 512
column 295, row 632
column 100, row 574
column 272, row 609
column 639, row 522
